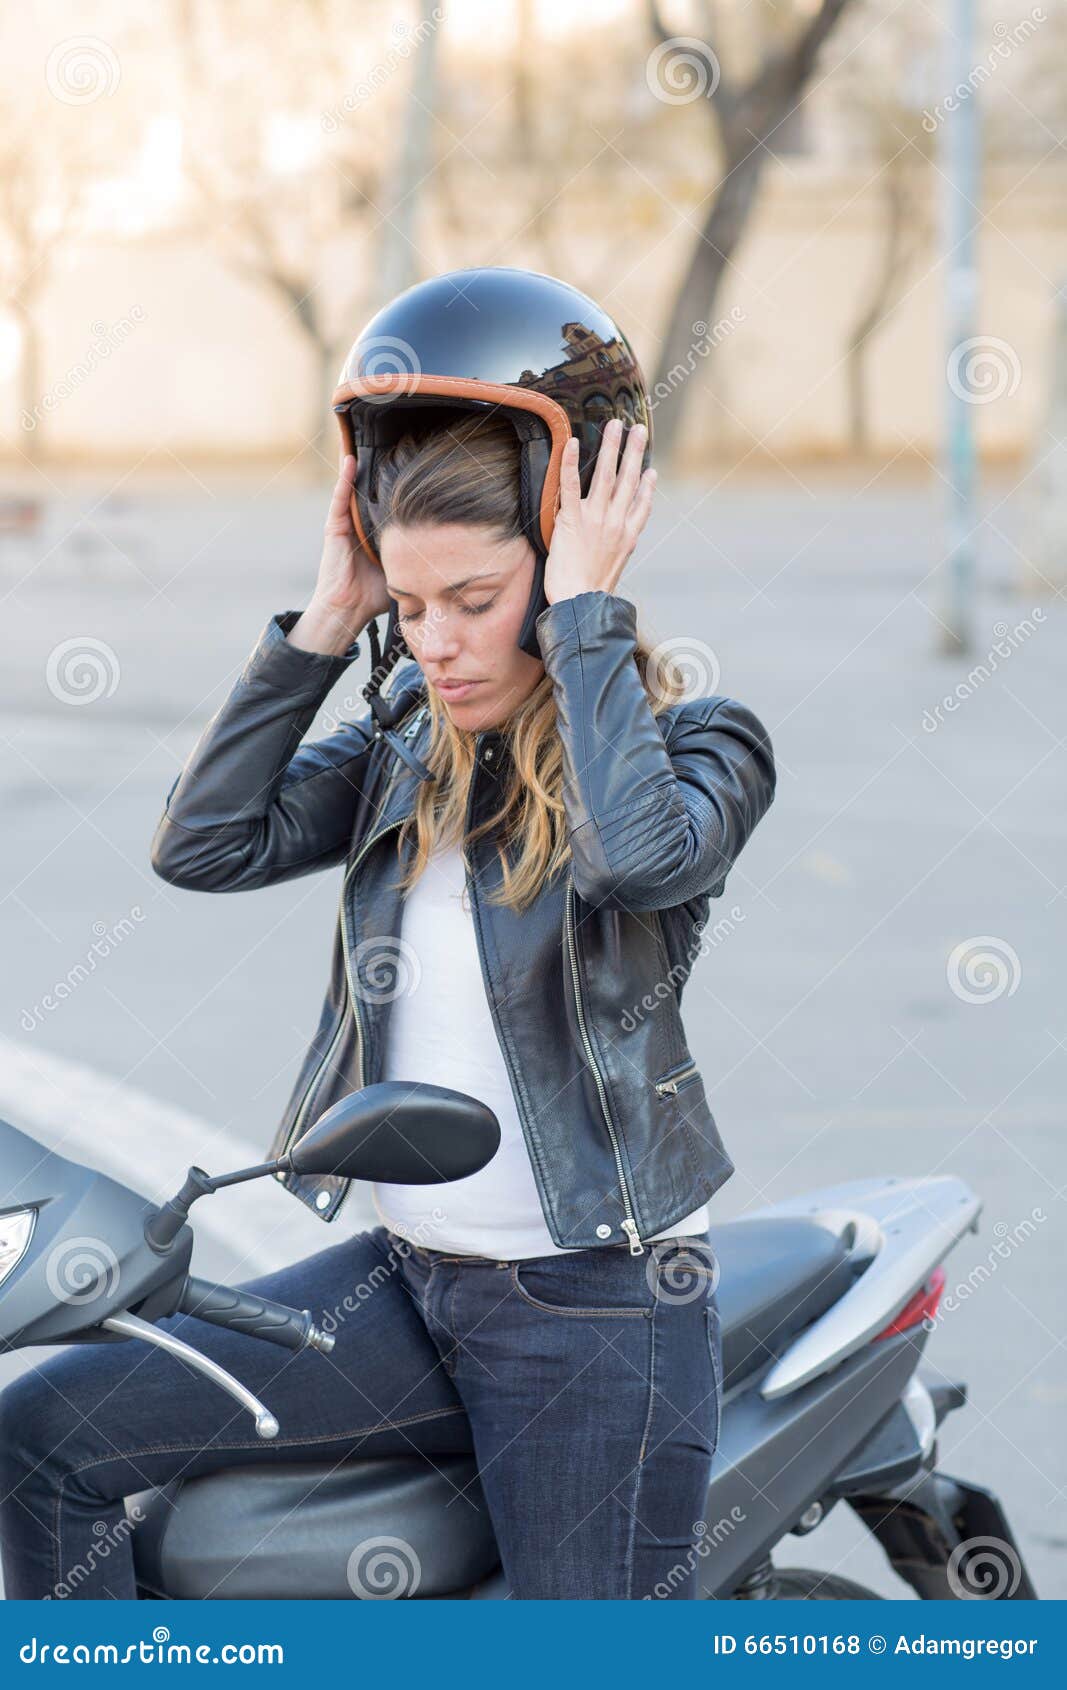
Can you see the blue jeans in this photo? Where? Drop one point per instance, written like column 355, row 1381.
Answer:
column 587, row 1386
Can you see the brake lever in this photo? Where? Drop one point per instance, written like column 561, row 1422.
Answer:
column 129, row 1325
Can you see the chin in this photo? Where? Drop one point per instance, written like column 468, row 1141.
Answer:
column 469, row 713
column 472, row 721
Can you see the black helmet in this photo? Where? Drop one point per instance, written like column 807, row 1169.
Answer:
column 530, row 346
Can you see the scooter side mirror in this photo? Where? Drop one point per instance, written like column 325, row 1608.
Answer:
column 400, row 1132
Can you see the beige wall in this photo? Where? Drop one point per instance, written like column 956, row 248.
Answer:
column 206, row 364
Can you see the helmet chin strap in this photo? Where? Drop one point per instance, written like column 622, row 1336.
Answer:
column 387, row 711
column 533, row 465
column 528, row 641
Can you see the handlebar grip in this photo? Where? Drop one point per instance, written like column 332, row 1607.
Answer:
column 257, row 1317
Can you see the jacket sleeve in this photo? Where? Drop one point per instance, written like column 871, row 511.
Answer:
column 249, row 808
column 652, row 822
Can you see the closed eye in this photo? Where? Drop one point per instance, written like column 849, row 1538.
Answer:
column 468, row 610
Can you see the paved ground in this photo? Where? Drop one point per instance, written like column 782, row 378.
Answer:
column 832, row 1042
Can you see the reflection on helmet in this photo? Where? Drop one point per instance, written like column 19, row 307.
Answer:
column 529, row 345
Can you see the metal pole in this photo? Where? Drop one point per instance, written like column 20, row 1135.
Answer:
column 959, row 160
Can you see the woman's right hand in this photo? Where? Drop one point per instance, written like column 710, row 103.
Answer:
column 349, row 579
column 350, row 590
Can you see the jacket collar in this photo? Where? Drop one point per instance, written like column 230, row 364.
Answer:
column 402, row 786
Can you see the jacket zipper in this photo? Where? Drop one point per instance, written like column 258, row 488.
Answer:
column 350, row 996
column 629, row 1225
column 350, row 1003
column 669, row 1087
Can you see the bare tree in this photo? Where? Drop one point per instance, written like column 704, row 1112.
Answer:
column 903, row 237
column 879, row 91
column 292, row 164
column 746, row 114
column 46, row 164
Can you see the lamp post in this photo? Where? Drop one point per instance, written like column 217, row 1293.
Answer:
column 959, row 164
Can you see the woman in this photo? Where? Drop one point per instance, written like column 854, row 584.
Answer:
column 585, row 1379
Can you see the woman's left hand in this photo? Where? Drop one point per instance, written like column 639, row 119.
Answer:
column 593, row 537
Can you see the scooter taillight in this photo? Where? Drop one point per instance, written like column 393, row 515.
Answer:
column 918, row 1308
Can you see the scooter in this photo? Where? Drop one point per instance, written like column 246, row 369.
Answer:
column 826, row 1301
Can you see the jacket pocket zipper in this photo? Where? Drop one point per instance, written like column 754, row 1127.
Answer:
column 675, row 1080
column 629, row 1225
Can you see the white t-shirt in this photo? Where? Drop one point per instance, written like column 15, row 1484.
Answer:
column 441, row 1032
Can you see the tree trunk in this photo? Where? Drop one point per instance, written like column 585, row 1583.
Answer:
column 883, row 293
column 32, row 415
column 746, row 118
column 325, row 440
column 696, row 298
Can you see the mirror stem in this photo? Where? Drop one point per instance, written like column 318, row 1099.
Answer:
column 257, row 1172
column 164, row 1225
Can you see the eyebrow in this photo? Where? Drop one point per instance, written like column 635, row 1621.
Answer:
column 457, row 586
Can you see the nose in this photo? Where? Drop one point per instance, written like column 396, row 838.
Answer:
column 439, row 637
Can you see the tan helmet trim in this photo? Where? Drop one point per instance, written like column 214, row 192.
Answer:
column 463, row 387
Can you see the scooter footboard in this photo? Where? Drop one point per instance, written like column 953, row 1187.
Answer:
column 949, row 1539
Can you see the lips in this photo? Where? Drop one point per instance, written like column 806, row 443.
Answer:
column 455, row 689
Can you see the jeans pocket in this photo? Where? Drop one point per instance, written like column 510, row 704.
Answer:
column 591, row 1282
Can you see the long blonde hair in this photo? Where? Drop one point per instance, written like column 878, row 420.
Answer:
column 468, row 472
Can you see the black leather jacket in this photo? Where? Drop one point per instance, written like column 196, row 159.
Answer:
column 585, row 986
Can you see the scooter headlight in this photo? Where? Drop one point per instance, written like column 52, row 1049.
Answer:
column 16, row 1230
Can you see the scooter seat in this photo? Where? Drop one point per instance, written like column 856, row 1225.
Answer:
column 776, row 1277
column 362, row 1530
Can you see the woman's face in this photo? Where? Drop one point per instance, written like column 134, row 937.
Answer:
column 462, row 594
